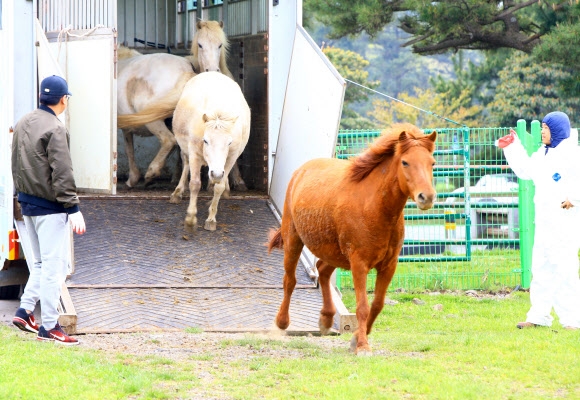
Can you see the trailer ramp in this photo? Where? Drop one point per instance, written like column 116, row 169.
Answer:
column 137, row 269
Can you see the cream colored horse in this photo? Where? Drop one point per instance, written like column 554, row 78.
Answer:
column 144, row 79
column 212, row 125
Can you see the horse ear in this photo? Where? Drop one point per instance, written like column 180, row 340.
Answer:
column 433, row 136
column 402, row 136
column 221, row 24
column 205, row 118
column 199, row 24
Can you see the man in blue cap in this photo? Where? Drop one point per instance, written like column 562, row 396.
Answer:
column 555, row 171
column 43, row 178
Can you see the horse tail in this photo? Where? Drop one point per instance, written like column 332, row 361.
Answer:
column 159, row 110
column 275, row 239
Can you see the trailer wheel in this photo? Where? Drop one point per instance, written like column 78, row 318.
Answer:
column 9, row 292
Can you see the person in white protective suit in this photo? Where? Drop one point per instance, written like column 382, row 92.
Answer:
column 555, row 171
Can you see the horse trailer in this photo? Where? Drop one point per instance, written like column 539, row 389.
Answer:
column 293, row 91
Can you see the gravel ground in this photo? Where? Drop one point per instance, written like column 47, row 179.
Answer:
column 179, row 346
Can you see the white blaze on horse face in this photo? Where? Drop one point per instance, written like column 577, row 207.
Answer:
column 208, row 53
column 216, row 147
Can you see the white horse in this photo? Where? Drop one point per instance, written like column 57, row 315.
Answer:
column 212, row 125
column 144, row 79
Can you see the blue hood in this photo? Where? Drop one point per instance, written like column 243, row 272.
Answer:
column 559, row 125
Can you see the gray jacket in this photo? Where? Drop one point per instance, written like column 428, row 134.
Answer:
column 41, row 162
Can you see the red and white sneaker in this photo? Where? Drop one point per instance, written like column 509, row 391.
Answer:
column 25, row 321
column 57, row 335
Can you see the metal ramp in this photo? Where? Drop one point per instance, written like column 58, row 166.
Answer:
column 136, row 269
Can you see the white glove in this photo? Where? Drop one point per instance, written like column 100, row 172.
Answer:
column 77, row 222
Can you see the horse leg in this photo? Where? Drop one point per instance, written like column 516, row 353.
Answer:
column 167, row 142
column 134, row 174
column 292, row 249
column 177, row 194
column 218, row 189
column 328, row 310
column 359, row 343
column 382, row 283
column 236, row 178
column 194, row 186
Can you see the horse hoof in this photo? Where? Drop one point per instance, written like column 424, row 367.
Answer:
column 210, row 225
column 131, row 183
column 282, row 323
column 364, row 353
column 175, row 199
column 241, row 187
column 324, row 331
column 190, row 224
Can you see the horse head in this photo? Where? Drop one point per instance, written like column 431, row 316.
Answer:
column 217, row 141
column 209, row 47
column 415, row 167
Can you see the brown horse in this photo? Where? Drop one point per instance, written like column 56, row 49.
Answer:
column 349, row 213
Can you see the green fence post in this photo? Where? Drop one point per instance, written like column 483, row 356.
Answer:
column 531, row 143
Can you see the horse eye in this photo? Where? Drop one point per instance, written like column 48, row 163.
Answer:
column 220, row 46
column 200, row 46
column 204, row 141
column 405, row 164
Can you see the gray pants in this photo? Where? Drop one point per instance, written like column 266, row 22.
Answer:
column 49, row 239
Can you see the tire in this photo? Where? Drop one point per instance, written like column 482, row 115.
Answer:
column 10, row 292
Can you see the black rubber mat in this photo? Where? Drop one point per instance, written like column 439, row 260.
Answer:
column 144, row 242
column 229, row 310
column 136, row 268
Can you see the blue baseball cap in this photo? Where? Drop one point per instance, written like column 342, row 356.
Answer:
column 52, row 89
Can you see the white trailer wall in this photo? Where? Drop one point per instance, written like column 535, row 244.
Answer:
column 6, row 122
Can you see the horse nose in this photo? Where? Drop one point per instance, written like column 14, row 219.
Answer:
column 425, row 200
column 216, row 175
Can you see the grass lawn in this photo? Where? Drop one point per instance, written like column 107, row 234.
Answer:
column 445, row 347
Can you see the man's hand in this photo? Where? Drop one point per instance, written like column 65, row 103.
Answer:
column 505, row 141
column 77, row 222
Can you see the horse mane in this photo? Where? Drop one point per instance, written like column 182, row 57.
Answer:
column 125, row 52
column 394, row 141
column 213, row 28
column 219, row 120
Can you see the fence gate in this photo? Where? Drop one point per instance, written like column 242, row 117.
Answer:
column 77, row 40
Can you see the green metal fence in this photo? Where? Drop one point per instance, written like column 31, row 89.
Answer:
column 470, row 238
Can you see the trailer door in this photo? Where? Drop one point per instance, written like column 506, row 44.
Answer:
column 311, row 113
column 81, row 40
column 310, row 119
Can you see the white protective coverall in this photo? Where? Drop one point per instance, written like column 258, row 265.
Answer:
column 556, row 176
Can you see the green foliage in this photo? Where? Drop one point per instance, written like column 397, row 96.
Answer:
column 529, row 90
column 550, row 29
column 352, row 66
column 352, row 18
column 438, row 27
column 562, row 47
column 455, row 110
